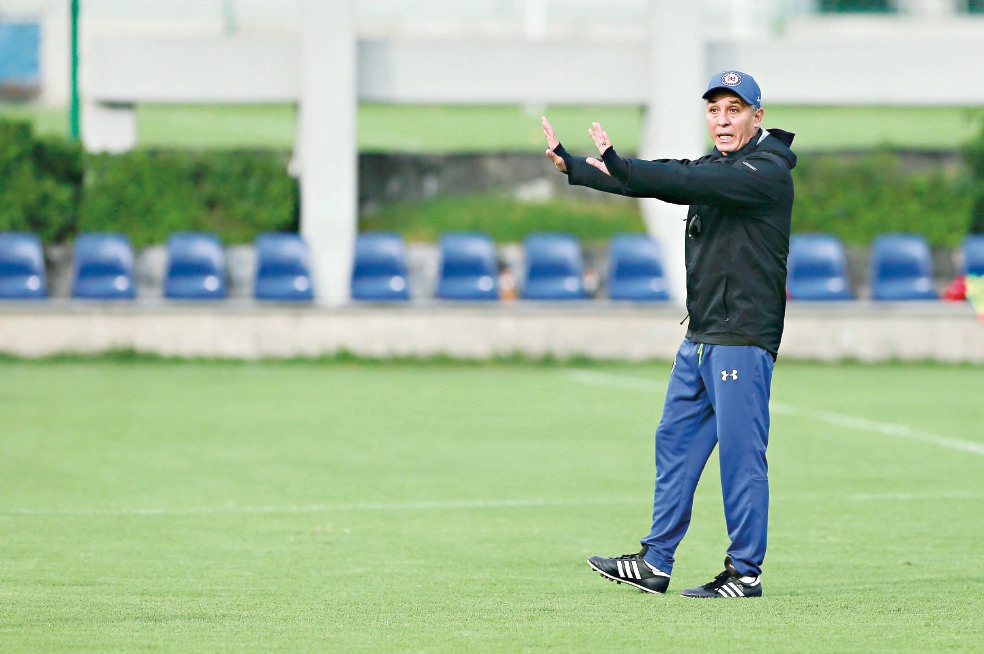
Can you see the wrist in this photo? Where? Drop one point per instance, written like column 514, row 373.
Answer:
column 616, row 167
column 564, row 155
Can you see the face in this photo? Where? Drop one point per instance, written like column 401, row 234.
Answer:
column 732, row 122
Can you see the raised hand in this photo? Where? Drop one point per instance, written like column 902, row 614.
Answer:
column 552, row 143
column 600, row 138
column 601, row 141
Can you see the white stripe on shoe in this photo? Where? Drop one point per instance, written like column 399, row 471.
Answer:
column 628, row 569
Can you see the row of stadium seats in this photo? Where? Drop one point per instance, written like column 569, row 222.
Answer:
column 103, row 268
column 901, row 267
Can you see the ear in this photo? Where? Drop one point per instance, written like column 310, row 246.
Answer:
column 758, row 117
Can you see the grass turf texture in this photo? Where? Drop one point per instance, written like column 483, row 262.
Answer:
column 436, row 129
column 441, row 507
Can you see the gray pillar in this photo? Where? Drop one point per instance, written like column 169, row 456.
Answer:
column 327, row 146
column 673, row 125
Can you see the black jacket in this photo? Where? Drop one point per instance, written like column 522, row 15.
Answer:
column 737, row 231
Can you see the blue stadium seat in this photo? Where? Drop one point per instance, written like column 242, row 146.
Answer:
column 972, row 255
column 901, row 268
column 635, row 269
column 468, row 267
column 554, row 268
column 102, row 267
column 195, row 267
column 379, row 272
column 283, row 270
column 22, row 275
column 20, row 55
column 817, row 268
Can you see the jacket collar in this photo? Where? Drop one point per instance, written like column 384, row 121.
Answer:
column 772, row 140
column 749, row 147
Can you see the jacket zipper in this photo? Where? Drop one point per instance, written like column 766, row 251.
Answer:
column 724, row 301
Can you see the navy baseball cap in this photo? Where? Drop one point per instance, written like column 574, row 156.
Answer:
column 739, row 83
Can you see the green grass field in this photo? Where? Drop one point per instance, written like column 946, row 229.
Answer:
column 420, row 129
column 162, row 506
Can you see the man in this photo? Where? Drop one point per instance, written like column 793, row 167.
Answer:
column 737, row 241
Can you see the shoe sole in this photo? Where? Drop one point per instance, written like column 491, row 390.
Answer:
column 719, row 596
column 624, row 581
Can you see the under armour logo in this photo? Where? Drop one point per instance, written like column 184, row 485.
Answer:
column 725, row 375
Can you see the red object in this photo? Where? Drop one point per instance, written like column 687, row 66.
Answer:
column 955, row 290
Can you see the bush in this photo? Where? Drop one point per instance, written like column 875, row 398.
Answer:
column 505, row 219
column 40, row 182
column 973, row 154
column 152, row 194
column 859, row 199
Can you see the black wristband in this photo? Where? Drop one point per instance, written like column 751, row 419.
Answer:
column 617, row 167
column 565, row 155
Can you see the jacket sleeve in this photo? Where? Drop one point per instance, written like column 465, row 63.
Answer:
column 757, row 179
column 581, row 173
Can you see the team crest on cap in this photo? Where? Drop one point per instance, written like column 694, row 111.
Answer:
column 731, row 79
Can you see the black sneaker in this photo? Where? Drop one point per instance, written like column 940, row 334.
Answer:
column 728, row 584
column 631, row 569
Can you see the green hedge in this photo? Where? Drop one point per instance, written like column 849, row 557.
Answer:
column 151, row 194
column 40, row 182
column 51, row 187
column 973, row 154
column 857, row 199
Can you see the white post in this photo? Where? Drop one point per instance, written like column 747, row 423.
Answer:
column 55, row 53
column 673, row 125
column 929, row 8
column 106, row 127
column 328, row 148
column 537, row 19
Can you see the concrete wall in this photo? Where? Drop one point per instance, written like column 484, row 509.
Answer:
column 837, row 60
column 820, row 61
column 599, row 330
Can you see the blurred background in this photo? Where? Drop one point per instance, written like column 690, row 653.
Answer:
column 236, row 119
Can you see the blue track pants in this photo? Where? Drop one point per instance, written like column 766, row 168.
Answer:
column 717, row 395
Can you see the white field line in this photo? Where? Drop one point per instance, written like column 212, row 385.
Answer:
column 232, row 509
column 828, row 417
column 315, row 508
column 593, row 378
column 907, row 497
column 884, row 428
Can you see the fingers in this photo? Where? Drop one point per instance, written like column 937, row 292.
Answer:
column 600, row 137
column 557, row 160
column 548, row 131
column 600, row 165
